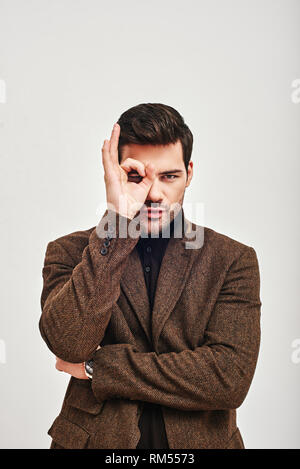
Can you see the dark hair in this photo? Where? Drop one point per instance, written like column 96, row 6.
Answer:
column 155, row 124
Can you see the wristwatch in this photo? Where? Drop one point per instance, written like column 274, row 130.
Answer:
column 88, row 368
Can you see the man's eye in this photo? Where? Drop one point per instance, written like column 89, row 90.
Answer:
column 134, row 176
column 137, row 177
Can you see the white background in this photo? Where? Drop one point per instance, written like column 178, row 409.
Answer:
column 71, row 67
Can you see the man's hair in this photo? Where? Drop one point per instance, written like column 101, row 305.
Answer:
column 155, row 124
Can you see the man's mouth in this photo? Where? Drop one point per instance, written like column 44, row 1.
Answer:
column 154, row 213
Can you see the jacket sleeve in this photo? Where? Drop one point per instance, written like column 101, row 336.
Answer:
column 77, row 300
column 214, row 376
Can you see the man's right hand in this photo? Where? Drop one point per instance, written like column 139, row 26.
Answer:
column 126, row 198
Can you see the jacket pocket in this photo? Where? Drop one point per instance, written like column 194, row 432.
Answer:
column 68, row 434
column 81, row 396
column 236, row 441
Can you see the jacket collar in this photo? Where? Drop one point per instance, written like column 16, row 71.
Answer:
column 180, row 254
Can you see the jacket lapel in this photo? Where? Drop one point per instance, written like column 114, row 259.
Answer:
column 174, row 270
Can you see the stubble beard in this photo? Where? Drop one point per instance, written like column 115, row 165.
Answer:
column 153, row 227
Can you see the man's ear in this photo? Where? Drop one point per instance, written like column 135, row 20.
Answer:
column 189, row 173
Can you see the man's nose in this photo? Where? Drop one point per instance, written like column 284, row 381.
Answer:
column 154, row 194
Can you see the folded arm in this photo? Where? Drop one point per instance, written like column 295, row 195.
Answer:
column 77, row 299
column 214, row 376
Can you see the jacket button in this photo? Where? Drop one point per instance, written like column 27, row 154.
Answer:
column 111, row 229
column 106, row 242
column 104, row 251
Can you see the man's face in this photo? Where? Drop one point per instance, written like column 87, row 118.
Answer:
column 168, row 188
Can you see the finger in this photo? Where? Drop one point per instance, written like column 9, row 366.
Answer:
column 58, row 366
column 130, row 164
column 150, row 175
column 114, row 141
column 106, row 159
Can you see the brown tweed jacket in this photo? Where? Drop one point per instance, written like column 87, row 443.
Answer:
column 205, row 328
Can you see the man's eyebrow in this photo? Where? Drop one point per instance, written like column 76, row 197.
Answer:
column 172, row 171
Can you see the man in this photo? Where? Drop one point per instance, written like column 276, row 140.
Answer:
column 159, row 334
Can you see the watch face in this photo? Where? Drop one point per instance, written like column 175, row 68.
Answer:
column 89, row 368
